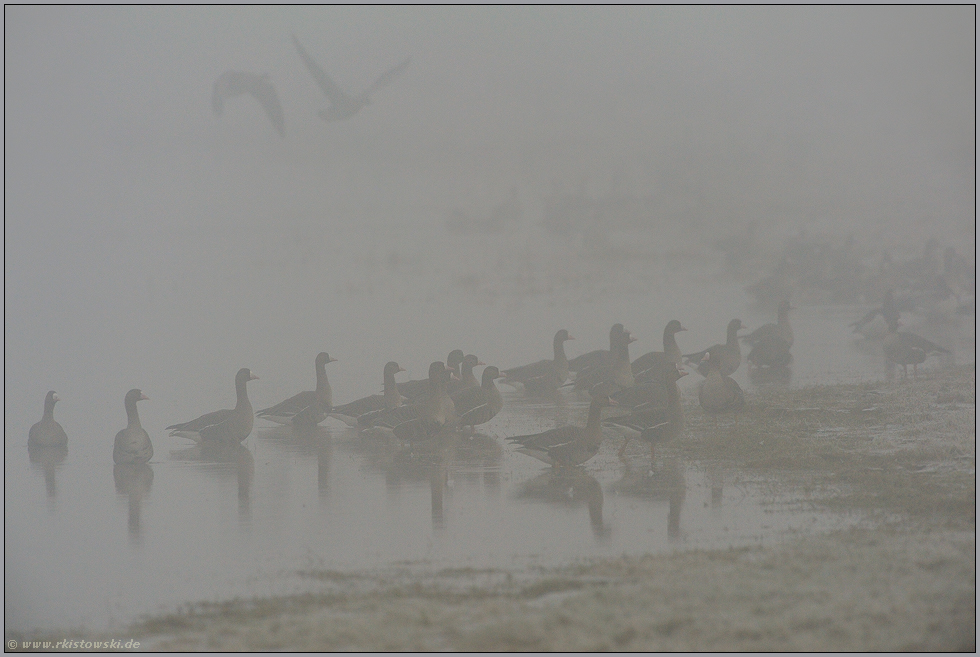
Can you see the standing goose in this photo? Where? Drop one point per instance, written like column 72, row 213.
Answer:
column 727, row 356
column 543, row 375
column 771, row 342
column 569, row 445
column 908, row 348
column 597, row 357
column 417, row 389
column 478, row 405
column 652, row 365
column 358, row 412
column 655, row 424
column 307, row 408
column 343, row 105
column 47, row 432
column 235, row 83
column 132, row 443
column 614, row 372
column 228, row 426
column 467, row 379
column 719, row 393
column 427, row 417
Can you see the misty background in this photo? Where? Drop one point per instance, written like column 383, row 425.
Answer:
column 149, row 243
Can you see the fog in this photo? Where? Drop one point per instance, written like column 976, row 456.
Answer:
column 149, row 243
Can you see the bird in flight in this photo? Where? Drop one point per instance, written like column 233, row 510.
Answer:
column 342, row 104
column 235, row 83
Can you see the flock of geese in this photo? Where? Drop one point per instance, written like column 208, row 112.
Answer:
column 452, row 399
column 231, row 84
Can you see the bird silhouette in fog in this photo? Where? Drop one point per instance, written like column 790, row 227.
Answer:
column 343, row 105
column 235, row 83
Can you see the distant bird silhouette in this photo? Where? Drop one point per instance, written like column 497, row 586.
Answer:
column 235, row 83
column 342, row 104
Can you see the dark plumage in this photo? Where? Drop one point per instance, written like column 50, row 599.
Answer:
column 307, row 408
column 480, row 404
column 227, row 425
column 543, row 375
column 728, row 356
column 652, row 365
column 235, row 83
column 342, row 104
column 47, row 432
column 613, row 371
column 427, row 417
column 719, row 393
column 352, row 412
column 569, row 445
column 656, row 423
column 132, row 444
column 903, row 348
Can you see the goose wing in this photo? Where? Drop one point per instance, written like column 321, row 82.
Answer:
column 325, row 82
column 388, row 76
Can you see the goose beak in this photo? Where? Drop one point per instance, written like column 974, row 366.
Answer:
column 252, row 375
column 143, row 396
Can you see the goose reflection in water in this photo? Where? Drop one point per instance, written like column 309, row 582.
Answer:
column 666, row 483
column 219, row 457
column 133, row 480
column 570, row 487
column 48, row 460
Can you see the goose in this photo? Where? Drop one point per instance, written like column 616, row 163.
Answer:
column 596, row 357
column 569, row 445
column 719, row 393
column 235, row 83
column 307, row 408
column 47, row 432
column 480, row 404
column 728, row 356
column 416, row 389
column 343, row 105
column 228, row 426
column 655, row 424
column 357, row 413
column 132, row 444
column 613, row 372
column 771, row 342
column 544, row 374
column 652, row 365
column 908, row 348
column 466, row 378
column 427, row 417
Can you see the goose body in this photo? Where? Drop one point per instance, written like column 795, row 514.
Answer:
column 655, row 423
column 358, row 412
column 227, row 425
column 235, row 83
column 342, row 104
column 479, row 405
column 728, row 356
column 417, row 389
column 612, row 372
column 307, row 408
column 903, row 348
column 543, row 375
column 719, row 393
column 466, row 377
column 427, row 417
column 569, row 445
column 47, row 432
column 132, row 444
column 652, row 365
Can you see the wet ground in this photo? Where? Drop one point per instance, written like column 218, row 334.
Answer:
column 286, row 514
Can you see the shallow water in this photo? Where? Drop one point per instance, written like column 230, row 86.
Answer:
column 90, row 546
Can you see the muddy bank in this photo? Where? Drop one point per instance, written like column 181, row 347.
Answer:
column 901, row 453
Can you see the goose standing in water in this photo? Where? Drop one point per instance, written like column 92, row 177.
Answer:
column 569, row 445
column 480, row 404
column 235, row 83
column 359, row 411
column 132, row 443
column 427, row 417
column 342, row 104
column 613, row 371
column 655, row 424
column 544, row 375
column 652, row 365
column 307, row 408
column 47, row 432
column 227, row 425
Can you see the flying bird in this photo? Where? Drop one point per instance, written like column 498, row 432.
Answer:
column 342, row 104
column 235, row 83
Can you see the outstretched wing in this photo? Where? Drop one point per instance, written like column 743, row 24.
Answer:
column 265, row 93
column 330, row 89
column 388, row 76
